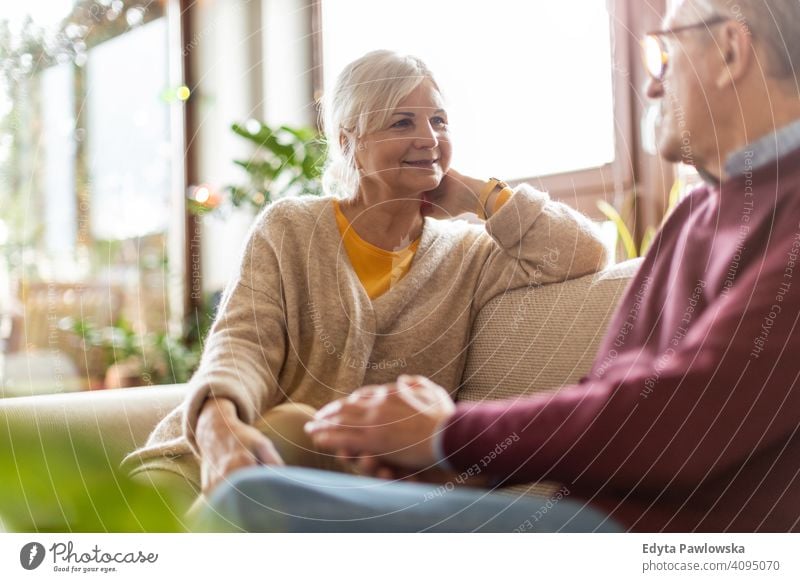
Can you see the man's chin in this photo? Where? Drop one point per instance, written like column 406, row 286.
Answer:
column 670, row 152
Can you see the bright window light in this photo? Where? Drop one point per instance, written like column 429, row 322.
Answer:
column 129, row 133
column 528, row 85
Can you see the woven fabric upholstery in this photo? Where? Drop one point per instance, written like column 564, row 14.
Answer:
column 538, row 339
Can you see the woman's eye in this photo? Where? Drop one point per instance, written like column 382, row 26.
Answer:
column 402, row 123
column 439, row 121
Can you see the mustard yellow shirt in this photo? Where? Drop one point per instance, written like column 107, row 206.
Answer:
column 379, row 269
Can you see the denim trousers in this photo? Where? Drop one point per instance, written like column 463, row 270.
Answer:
column 298, row 499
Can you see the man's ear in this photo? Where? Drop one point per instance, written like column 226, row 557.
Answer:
column 736, row 47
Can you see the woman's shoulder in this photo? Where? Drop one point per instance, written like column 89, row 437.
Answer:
column 297, row 206
column 293, row 212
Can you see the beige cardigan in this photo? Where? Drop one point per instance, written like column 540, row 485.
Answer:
column 296, row 324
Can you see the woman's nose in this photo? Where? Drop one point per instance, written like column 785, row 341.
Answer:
column 426, row 136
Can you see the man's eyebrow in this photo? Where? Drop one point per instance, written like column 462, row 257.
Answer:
column 410, row 114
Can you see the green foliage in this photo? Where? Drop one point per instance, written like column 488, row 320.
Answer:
column 54, row 481
column 158, row 358
column 286, row 161
column 624, row 234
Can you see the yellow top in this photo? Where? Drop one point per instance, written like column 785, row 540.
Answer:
column 379, row 269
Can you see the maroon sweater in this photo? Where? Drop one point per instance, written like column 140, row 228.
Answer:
column 690, row 416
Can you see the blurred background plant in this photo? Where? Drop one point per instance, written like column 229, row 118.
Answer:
column 287, row 161
column 52, row 481
column 624, row 234
column 138, row 359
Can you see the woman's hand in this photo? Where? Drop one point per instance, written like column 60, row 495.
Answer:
column 457, row 194
column 394, row 422
column 227, row 444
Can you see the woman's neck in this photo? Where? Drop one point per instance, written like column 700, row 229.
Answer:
column 387, row 222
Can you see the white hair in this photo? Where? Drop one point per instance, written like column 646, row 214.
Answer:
column 774, row 24
column 366, row 93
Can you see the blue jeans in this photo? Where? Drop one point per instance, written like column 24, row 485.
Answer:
column 296, row 499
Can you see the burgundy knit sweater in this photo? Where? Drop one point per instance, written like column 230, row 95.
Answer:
column 690, row 417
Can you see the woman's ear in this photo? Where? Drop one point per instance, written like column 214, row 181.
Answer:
column 349, row 144
column 348, row 141
column 736, row 48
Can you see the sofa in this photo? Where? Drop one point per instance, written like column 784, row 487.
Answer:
column 524, row 342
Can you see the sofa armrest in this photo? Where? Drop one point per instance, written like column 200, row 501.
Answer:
column 120, row 420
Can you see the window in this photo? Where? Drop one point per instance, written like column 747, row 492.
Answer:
column 89, row 176
column 529, row 85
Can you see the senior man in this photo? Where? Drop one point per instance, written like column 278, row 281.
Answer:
column 693, row 426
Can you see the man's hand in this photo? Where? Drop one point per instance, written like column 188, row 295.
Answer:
column 227, row 444
column 394, row 422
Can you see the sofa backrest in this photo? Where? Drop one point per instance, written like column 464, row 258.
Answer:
column 537, row 339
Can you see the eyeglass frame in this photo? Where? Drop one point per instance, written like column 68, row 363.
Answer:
column 657, row 34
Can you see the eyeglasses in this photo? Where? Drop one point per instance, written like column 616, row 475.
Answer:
column 654, row 51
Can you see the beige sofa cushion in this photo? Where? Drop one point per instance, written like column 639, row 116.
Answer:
column 540, row 338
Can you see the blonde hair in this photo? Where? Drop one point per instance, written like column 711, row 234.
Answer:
column 362, row 100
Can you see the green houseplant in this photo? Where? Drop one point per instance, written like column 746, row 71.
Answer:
column 286, row 161
column 624, row 234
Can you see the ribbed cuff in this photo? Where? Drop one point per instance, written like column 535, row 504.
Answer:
column 197, row 399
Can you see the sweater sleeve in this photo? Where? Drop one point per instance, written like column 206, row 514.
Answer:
column 246, row 345
column 537, row 241
column 726, row 390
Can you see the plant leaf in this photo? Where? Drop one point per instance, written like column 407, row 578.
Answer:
column 624, row 234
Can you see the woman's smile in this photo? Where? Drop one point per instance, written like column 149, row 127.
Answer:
column 426, row 164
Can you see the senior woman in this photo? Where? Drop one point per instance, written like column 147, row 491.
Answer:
column 363, row 284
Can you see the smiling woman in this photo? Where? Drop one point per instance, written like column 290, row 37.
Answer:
column 364, row 284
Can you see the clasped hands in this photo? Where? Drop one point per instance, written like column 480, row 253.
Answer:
column 386, row 431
